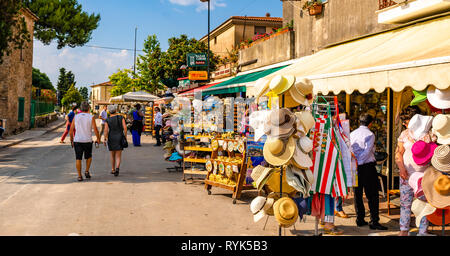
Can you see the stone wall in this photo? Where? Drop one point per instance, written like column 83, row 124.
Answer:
column 274, row 50
column 15, row 82
column 340, row 20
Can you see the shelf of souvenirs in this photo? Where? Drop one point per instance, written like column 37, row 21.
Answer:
column 222, row 181
column 195, row 171
column 195, row 160
column 228, row 160
column 196, row 148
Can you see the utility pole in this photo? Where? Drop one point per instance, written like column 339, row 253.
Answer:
column 207, row 56
column 134, row 66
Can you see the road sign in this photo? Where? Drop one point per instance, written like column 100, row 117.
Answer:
column 198, row 75
column 196, row 59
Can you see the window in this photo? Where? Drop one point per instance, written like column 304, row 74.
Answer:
column 260, row 30
column 215, row 40
column 21, row 109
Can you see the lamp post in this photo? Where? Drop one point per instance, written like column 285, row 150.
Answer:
column 207, row 56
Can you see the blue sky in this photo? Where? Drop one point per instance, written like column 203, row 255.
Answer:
column 119, row 18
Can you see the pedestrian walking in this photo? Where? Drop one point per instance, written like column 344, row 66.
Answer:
column 103, row 116
column 2, row 129
column 158, row 126
column 115, row 129
column 137, row 126
column 417, row 130
column 69, row 119
column 363, row 146
column 82, row 140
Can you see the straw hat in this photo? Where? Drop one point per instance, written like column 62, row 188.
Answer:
column 280, row 123
column 419, row 125
column 438, row 98
column 262, row 87
column 285, row 211
column 259, row 207
column 431, row 180
column 441, row 158
column 421, row 209
column 422, row 152
column 279, row 84
column 441, row 127
column 257, row 120
column 298, row 180
column 305, row 119
column 260, row 175
column 301, row 92
column 301, row 158
column 273, row 183
column 278, row 152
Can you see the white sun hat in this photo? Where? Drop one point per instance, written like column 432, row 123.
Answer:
column 419, row 125
column 438, row 98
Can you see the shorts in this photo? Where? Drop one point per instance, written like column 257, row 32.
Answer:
column 80, row 148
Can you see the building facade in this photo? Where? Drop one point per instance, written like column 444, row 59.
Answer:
column 16, row 83
column 100, row 94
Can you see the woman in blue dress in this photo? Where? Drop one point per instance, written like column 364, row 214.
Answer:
column 137, row 126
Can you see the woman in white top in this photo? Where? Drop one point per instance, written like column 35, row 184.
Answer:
column 407, row 166
column 83, row 123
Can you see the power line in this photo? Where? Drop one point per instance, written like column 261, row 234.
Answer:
column 105, row 47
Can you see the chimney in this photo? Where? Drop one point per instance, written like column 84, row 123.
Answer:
column 267, row 14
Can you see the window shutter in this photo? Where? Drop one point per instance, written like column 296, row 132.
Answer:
column 21, row 109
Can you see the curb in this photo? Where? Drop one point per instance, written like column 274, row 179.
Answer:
column 26, row 139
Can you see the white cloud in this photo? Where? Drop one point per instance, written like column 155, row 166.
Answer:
column 89, row 65
column 201, row 6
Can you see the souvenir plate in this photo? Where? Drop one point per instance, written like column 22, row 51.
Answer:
column 208, row 165
column 215, row 167
column 224, row 145
column 214, row 145
column 241, row 147
column 235, row 169
column 221, row 168
column 230, row 146
column 229, row 171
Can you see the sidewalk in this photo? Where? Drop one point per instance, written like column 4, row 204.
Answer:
column 30, row 134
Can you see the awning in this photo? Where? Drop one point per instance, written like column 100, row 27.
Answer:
column 191, row 91
column 238, row 83
column 416, row 55
column 141, row 96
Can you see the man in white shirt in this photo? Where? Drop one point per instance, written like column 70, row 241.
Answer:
column 103, row 116
column 363, row 146
column 158, row 126
column 83, row 123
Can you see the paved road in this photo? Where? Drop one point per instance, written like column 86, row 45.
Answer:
column 39, row 195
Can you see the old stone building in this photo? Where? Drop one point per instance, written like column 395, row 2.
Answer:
column 16, row 83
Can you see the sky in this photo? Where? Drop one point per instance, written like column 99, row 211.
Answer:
column 119, row 19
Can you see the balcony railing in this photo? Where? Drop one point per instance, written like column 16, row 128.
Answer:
column 385, row 4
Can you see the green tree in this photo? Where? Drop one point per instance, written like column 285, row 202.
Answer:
column 72, row 95
column 65, row 81
column 84, row 93
column 60, row 20
column 175, row 57
column 150, row 70
column 41, row 80
column 13, row 30
column 124, row 82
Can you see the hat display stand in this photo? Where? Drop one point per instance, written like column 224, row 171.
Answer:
column 148, row 124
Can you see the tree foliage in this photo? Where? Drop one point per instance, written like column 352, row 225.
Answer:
column 13, row 29
column 72, row 95
column 62, row 20
column 150, row 70
column 84, row 93
column 124, row 82
column 65, row 81
column 41, row 80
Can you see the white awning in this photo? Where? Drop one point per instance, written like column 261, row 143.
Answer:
column 417, row 56
column 135, row 96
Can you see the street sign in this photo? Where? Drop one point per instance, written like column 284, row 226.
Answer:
column 196, row 59
column 198, row 75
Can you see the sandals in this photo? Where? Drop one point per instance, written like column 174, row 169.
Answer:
column 87, row 174
column 80, row 178
column 112, row 171
column 341, row 214
column 333, row 231
column 116, row 173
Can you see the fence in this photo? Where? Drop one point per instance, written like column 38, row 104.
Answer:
column 41, row 108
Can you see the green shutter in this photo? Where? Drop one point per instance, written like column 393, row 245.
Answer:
column 21, row 109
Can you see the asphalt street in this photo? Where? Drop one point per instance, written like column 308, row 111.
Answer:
column 39, row 195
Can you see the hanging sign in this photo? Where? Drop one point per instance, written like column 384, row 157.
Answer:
column 196, row 59
column 198, row 75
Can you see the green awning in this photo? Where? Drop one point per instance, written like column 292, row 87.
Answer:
column 227, row 86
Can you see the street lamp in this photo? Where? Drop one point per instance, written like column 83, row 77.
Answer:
column 207, row 56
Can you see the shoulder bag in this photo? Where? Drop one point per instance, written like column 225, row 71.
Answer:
column 123, row 140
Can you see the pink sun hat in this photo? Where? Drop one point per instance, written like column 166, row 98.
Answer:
column 422, row 152
column 415, row 182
